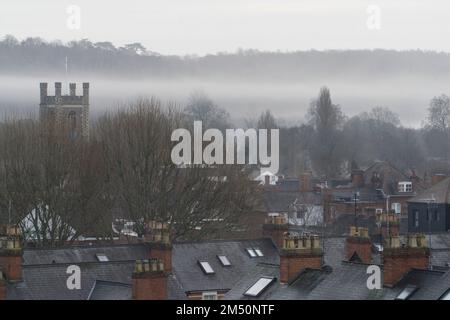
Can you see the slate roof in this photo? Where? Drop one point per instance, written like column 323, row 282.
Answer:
column 73, row 255
column 44, row 272
column 191, row 277
column 440, row 192
column 108, row 290
column 280, row 202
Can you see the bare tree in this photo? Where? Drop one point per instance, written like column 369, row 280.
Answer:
column 194, row 200
column 52, row 185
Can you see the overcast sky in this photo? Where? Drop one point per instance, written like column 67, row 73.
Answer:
column 210, row 26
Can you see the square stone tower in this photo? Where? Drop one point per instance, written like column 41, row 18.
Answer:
column 70, row 110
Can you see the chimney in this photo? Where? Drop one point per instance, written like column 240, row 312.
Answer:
column 357, row 178
column 43, row 86
column 275, row 228
column 298, row 253
column 149, row 280
column 158, row 237
column 58, row 91
column 85, row 93
column 389, row 224
column 73, row 89
column 11, row 252
column 437, row 177
column 399, row 259
column 358, row 247
column 2, row 286
column 305, row 182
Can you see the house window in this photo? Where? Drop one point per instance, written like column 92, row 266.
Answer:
column 416, row 218
column 446, row 295
column 206, row 267
column 405, row 186
column 397, row 207
column 258, row 287
column 259, row 253
column 224, row 260
column 251, row 252
column 407, row 292
column 101, row 257
column 210, row 295
column 379, row 211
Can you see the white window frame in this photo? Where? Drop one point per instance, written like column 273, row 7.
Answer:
column 206, row 267
column 395, row 206
column 224, row 261
column 259, row 286
column 210, row 294
column 405, row 186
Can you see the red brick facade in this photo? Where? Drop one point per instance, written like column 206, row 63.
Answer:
column 361, row 246
column 162, row 252
column 292, row 263
column 399, row 261
column 2, row 290
column 12, row 266
column 150, row 286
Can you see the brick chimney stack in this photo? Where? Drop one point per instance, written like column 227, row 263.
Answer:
column 158, row 237
column 358, row 247
column 399, row 259
column 305, row 182
column 298, row 253
column 357, row 178
column 2, row 286
column 389, row 224
column 11, row 252
column 149, row 280
column 275, row 228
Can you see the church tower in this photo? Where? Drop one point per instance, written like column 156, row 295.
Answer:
column 69, row 110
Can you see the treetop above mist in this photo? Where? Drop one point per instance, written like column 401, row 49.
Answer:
column 35, row 56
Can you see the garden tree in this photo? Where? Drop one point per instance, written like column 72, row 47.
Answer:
column 266, row 121
column 52, row 185
column 439, row 113
column 201, row 108
column 327, row 119
column 437, row 126
column 136, row 48
column 195, row 200
column 105, row 45
column 381, row 116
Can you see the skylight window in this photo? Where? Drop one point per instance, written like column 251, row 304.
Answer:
column 224, row 261
column 102, row 257
column 259, row 252
column 258, row 287
column 206, row 267
column 446, row 295
column 406, row 293
column 251, row 252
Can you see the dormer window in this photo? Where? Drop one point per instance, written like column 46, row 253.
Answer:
column 405, row 186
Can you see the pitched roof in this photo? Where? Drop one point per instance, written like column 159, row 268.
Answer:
column 108, row 290
column 440, row 192
column 191, row 276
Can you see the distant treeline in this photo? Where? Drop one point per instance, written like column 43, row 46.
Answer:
column 35, row 56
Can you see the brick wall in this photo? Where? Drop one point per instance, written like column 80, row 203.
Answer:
column 12, row 267
column 399, row 261
column 291, row 265
column 362, row 247
column 150, row 287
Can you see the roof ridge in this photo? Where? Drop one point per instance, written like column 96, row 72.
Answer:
column 59, row 264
